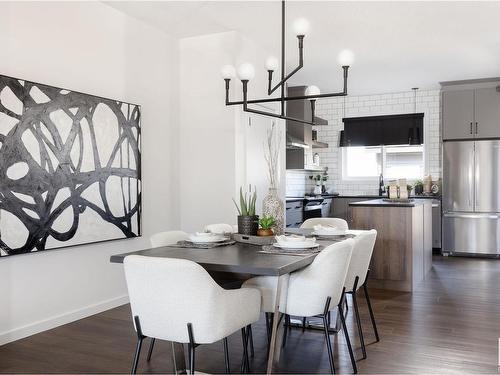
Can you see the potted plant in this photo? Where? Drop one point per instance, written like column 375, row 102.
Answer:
column 248, row 221
column 266, row 223
column 419, row 187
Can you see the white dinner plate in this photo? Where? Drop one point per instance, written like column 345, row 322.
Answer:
column 296, row 245
column 328, row 233
column 195, row 239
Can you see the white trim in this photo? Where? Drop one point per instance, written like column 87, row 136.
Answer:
column 59, row 320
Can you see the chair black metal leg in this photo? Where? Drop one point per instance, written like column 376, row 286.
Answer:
column 226, row 355
column 191, row 348
column 304, row 320
column 372, row 317
column 137, row 354
column 140, row 338
column 151, row 346
column 245, row 364
column 268, row 327
column 286, row 329
column 250, row 338
column 358, row 322
column 346, row 334
column 328, row 345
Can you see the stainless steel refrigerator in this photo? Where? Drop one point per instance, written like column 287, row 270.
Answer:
column 471, row 197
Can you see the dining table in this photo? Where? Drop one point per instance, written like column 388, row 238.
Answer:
column 242, row 258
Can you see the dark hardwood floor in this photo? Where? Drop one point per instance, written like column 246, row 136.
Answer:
column 450, row 325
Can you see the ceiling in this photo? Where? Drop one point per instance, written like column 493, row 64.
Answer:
column 398, row 45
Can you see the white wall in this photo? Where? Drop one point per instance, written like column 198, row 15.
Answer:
column 428, row 102
column 216, row 149
column 92, row 48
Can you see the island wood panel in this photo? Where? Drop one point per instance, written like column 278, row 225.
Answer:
column 392, row 249
column 403, row 251
column 428, row 237
column 417, row 244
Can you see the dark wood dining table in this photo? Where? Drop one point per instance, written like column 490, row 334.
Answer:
column 238, row 258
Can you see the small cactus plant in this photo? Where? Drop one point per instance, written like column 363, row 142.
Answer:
column 247, row 202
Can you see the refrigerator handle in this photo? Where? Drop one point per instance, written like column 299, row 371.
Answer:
column 470, row 216
column 471, row 127
column 471, row 178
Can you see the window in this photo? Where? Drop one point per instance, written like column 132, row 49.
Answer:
column 392, row 161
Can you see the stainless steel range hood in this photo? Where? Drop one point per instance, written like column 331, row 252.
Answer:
column 294, row 143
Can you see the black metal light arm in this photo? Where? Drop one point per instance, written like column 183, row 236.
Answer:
column 301, row 64
column 246, row 109
column 287, row 98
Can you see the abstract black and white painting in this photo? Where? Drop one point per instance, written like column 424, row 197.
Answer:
column 70, row 168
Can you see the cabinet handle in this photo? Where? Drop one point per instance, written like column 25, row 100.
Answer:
column 471, row 127
column 476, row 127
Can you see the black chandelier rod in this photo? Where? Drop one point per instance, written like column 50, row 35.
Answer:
column 282, row 116
column 284, row 78
column 287, row 98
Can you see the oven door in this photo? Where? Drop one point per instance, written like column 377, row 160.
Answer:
column 312, row 209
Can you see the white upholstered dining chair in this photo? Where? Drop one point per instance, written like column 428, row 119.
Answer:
column 167, row 238
column 357, row 276
column 330, row 221
column 220, row 228
column 177, row 300
column 312, row 291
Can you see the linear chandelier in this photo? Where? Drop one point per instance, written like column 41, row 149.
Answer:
column 246, row 72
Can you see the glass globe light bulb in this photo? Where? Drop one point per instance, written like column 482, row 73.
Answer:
column 300, row 26
column 346, row 57
column 272, row 63
column 228, row 72
column 313, row 90
column 246, row 72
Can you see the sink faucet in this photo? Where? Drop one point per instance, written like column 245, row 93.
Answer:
column 381, row 186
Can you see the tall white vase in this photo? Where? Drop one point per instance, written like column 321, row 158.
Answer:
column 273, row 206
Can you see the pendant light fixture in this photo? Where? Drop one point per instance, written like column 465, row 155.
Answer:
column 246, row 73
column 414, row 136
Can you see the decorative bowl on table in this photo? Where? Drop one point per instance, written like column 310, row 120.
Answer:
column 326, row 230
column 206, row 237
column 295, row 242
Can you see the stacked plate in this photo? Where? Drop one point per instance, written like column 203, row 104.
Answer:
column 295, row 242
column 326, row 230
column 203, row 237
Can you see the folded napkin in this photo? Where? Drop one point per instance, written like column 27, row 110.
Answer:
column 293, row 239
column 328, row 229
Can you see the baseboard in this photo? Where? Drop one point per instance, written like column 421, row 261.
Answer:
column 59, row 320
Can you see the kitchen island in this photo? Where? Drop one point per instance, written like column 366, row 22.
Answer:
column 402, row 256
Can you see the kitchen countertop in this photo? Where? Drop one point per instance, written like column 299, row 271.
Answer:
column 295, row 199
column 383, row 203
column 378, row 196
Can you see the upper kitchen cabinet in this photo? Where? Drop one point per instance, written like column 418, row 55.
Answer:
column 458, row 114
column 471, row 109
column 487, row 104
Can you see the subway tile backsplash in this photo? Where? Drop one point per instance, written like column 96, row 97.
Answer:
column 332, row 109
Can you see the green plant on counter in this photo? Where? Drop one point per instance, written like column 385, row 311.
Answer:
column 418, row 183
column 315, row 178
column 247, row 202
column 267, row 222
